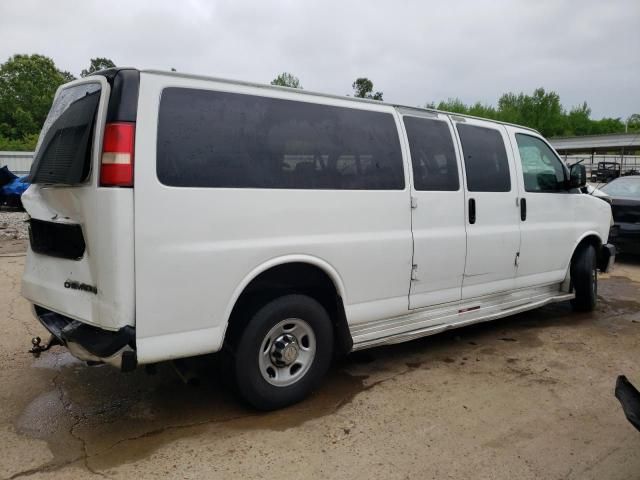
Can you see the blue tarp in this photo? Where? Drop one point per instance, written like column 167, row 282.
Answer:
column 16, row 187
column 10, row 184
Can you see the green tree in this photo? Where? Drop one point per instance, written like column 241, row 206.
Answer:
column 453, row 105
column 509, row 108
column 27, row 86
column 633, row 123
column 543, row 111
column 25, row 144
column 579, row 120
column 607, row 125
column 363, row 88
column 67, row 76
column 96, row 64
column 485, row 111
column 286, row 79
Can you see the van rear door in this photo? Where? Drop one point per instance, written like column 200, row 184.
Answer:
column 80, row 258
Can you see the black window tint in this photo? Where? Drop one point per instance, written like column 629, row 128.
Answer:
column 218, row 139
column 63, row 154
column 542, row 170
column 432, row 154
column 485, row 159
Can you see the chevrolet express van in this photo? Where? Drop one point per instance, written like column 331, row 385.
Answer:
column 177, row 215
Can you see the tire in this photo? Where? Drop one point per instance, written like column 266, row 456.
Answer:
column 584, row 275
column 283, row 353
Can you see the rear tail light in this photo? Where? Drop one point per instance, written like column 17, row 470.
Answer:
column 116, row 168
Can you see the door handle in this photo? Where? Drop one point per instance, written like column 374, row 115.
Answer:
column 523, row 209
column 472, row 211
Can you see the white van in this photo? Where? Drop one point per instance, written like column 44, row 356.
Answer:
column 176, row 215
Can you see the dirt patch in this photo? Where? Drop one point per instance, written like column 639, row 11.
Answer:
column 528, row 396
column 13, row 247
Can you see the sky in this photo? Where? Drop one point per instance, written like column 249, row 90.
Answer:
column 414, row 51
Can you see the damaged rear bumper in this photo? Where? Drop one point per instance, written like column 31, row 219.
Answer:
column 89, row 343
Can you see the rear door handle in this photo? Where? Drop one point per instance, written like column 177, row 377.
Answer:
column 472, row 211
column 523, row 209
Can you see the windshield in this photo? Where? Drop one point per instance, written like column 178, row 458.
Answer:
column 623, row 187
column 64, row 147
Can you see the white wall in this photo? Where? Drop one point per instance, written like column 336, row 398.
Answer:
column 18, row 162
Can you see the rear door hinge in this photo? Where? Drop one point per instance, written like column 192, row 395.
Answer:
column 414, row 202
column 414, row 272
column 517, row 262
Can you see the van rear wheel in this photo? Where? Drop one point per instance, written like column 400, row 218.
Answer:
column 584, row 275
column 284, row 352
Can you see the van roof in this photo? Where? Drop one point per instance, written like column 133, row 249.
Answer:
column 329, row 95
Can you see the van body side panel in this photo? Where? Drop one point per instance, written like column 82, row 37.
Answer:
column 105, row 216
column 195, row 246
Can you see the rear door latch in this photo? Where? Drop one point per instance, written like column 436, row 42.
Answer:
column 414, row 272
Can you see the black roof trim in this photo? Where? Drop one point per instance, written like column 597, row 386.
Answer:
column 125, row 85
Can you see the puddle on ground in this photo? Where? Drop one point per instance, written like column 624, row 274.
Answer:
column 115, row 418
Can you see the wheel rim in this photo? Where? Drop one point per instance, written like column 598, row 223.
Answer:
column 287, row 352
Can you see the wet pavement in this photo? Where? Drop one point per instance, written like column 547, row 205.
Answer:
column 530, row 396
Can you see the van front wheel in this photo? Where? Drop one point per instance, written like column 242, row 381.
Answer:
column 584, row 275
column 284, row 352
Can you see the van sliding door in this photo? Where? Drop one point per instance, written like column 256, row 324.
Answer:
column 439, row 237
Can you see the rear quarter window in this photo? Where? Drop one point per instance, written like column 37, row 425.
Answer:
column 228, row 140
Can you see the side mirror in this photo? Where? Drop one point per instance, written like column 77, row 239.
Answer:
column 577, row 176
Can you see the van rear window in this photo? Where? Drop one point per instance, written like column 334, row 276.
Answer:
column 220, row 139
column 63, row 154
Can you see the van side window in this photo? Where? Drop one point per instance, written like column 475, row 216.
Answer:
column 485, row 159
column 219, row 139
column 432, row 154
column 541, row 168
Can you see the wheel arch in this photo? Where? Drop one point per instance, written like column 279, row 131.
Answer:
column 321, row 281
column 587, row 238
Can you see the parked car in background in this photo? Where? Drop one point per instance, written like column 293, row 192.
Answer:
column 279, row 226
column 624, row 197
column 606, row 172
column 596, row 192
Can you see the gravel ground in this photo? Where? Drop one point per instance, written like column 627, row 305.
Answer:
column 13, row 226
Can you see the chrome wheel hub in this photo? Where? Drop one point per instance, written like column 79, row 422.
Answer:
column 287, row 352
column 284, row 351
